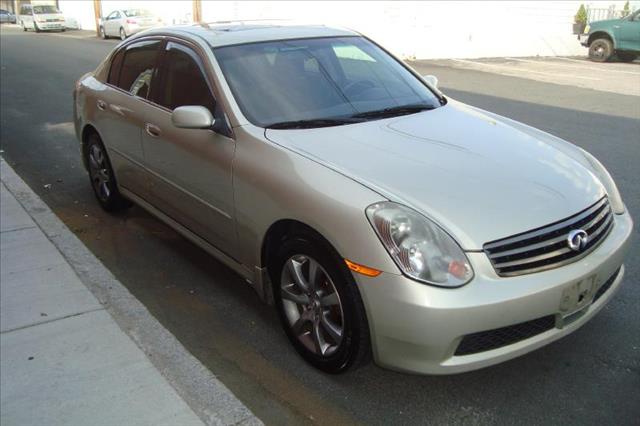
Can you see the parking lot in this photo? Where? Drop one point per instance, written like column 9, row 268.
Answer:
column 590, row 377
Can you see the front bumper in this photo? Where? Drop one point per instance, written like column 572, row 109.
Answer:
column 46, row 26
column 417, row 327
column 584, row 39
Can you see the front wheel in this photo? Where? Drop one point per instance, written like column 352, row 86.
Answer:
column 319, row 305
column 103, row 34
column 627, row 56
column 103, row 180
column 23, row 27
column 600, row 50
column 35, row 27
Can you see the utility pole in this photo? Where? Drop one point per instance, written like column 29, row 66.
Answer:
column 197, row 11
column 97, row 12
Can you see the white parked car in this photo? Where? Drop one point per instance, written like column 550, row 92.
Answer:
column 41, row 18
column 125, row 22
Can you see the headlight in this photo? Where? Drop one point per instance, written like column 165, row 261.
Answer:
column 420, row 248
column 607, row 181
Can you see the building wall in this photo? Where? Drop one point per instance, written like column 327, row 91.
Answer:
column 433, row 29
column 411, row 29
column 78, row 14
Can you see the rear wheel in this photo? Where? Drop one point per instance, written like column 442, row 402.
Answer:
column 600, row 50
column 103, row 180
column 627, row 56
column 123, row 35
column 319, row 305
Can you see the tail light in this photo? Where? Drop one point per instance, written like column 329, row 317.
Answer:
column 131, row 21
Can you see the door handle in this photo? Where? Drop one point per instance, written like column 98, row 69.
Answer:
column 102, row 105
column 117, row 109
column 152, row 130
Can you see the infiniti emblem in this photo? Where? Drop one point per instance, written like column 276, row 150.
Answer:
column 577, row 240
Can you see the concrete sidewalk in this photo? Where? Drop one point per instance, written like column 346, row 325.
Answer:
column 64, row 357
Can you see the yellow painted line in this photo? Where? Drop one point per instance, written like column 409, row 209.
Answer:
column 520, row 70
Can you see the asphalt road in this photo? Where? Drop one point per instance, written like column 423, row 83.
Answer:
column 590, row 377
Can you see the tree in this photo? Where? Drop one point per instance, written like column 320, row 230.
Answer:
column 581, row 16
column 626, row 9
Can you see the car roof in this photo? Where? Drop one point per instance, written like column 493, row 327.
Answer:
column 226, row 34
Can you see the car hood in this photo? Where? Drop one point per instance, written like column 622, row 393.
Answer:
column 604, row 23
column 480, row 176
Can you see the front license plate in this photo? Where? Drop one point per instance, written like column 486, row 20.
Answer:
column 578, row 296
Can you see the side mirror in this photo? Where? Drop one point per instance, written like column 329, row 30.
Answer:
column 192, row 117
column 432, row 80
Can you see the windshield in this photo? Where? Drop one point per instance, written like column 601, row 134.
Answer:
column 320, row 79
column 137, row 12
column 45, row 9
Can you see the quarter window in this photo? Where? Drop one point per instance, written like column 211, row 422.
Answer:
column 116, row 65
column 184, row 82
column 138, row 67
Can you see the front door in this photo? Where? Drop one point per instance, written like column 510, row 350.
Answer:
column 628, row 33
column 112, row 24
column 190, row 169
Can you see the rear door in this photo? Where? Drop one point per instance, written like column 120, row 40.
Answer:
column 190, row 169
column 122, row 108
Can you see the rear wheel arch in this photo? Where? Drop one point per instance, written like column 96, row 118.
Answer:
column 87, row 131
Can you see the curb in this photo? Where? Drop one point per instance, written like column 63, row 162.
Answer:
column 207, row 396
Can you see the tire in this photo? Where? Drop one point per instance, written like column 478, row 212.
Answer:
column 627, row 56
column 103, row 34
column 63, row 30
column 600, row 50
column 102, row 178
column 332, row 310
column 35, row 27
column 23, row 27
column 123, row 35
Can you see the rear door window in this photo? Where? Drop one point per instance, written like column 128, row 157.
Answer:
column 138, row 67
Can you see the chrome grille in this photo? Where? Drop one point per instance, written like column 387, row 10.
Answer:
column 546, row 247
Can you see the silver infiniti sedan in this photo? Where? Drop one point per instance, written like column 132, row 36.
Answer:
column 380, row 217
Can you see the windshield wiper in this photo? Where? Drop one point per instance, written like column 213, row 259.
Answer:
column 309, row 124
column 393, row 111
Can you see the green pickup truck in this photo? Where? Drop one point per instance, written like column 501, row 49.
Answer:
column 613, row 36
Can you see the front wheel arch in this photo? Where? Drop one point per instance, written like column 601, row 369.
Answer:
column 280, row 230
column 600, row 34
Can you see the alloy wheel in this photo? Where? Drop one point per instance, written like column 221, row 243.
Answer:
column 312, row 305
column 123, row 35
column 99, row 172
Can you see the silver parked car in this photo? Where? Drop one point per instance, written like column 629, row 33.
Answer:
column 126, row 22
column 7, row 17
column 379, row 216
